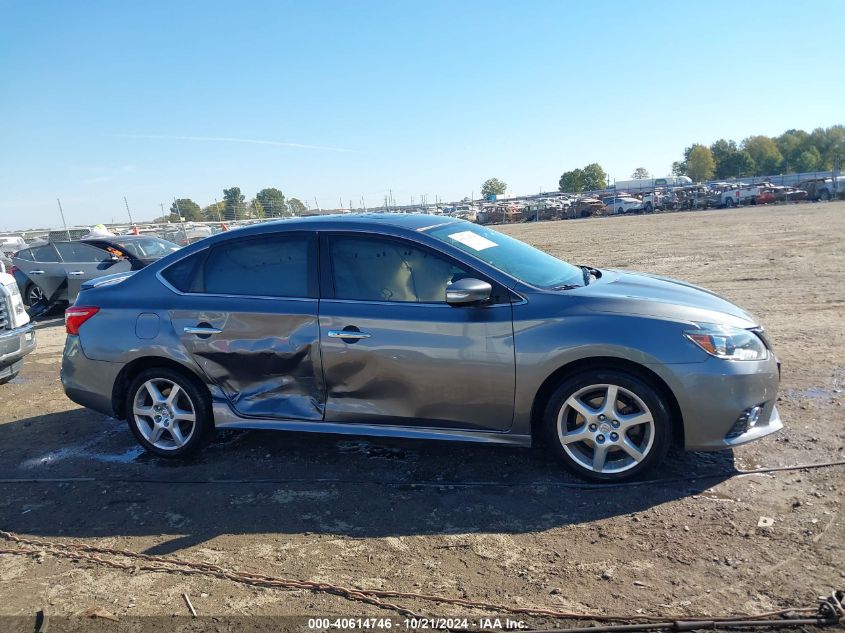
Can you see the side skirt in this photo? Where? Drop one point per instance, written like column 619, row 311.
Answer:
column 225, row 419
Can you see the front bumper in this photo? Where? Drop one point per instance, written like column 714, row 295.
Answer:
column 15, row 344
column 714, row 393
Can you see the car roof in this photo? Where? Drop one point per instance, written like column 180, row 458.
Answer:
column 409, row 221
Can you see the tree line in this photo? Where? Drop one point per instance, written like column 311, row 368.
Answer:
column 794, row 151
column 267, row 203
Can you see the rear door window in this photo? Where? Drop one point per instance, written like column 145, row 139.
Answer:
column 45, row 254
column 78, row 252
column 282, row 265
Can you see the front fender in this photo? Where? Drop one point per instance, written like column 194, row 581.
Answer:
column 544, row 345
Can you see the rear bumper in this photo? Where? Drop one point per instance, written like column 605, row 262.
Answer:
column 15, row 344
column 712, row 395
column 88, row 382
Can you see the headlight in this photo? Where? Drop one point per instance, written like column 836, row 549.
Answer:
column 729, row 343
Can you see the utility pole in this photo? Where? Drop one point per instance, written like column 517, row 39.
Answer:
column 181, row 220
column 161, row 204
column 217, row 206
column 127, row 210
column 63, row 218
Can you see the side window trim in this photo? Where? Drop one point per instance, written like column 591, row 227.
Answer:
column 327, row 276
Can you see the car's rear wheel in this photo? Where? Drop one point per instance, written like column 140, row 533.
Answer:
column 824, row 196
column 607, row 425
column 33, row 294
column 168, row 412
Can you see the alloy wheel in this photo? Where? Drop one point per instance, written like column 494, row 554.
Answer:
column 164, row 414
column 34, row 294
column 606, row 428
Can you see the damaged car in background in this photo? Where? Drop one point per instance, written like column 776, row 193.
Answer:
column 51, row 273
column 418, row 326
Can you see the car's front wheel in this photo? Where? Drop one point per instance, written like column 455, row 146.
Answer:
column 168, row 412
column 607, row 425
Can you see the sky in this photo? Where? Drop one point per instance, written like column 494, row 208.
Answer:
column 338, row 101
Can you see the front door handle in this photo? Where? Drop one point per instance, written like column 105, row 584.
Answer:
column 350, row 334
column 202, row 330
column 35, row 272
column 77, row 273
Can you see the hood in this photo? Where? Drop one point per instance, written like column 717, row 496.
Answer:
column 662, row 297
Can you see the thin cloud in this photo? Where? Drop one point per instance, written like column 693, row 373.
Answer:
column 96, row 180
column 229, row 139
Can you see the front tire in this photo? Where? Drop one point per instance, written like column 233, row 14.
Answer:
column 607, row 425
column 169, row 412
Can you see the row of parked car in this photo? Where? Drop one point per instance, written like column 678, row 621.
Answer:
column 682, row 198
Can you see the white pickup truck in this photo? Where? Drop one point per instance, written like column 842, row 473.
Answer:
column 17, row 334
column 742, row 194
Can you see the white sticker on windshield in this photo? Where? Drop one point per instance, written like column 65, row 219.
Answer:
column 473, row 240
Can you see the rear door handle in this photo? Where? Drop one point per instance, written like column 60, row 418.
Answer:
column 35, row 272
column 77, row 273
column 351, row 334
column 202, row 330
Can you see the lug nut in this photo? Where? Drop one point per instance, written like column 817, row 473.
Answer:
column 158, row 418
column 615, row 424
column 593, row 427
column 600, row 438
column 602, row 417
column 614, row 436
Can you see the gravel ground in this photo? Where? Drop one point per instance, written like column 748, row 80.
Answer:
column 492, row 524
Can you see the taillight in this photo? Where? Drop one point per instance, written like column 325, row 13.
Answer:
column 75, row 316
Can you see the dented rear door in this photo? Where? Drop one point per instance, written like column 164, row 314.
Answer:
column 249, row 321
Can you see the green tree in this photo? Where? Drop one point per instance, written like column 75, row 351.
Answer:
column 234, row 207
column 590, row 178
column 187, row 208
column 296, row 206
column 595, row 177
column 572, row 181
column 273, row 201
column 214, row 212
column 808, row 160
column 731, row 162
column 765, row 154
column 640, row 173
column 256, row 209
column 791, row 144
column 493, row 187
column 700, row 164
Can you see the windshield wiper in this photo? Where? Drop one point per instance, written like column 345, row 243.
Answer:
column 567, row 287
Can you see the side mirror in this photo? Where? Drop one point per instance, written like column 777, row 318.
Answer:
column 468, row 292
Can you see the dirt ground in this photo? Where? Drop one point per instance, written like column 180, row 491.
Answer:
column 493, row 524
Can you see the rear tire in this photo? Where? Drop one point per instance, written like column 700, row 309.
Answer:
column 32, row 294
column 606, row 441
column 169, row 412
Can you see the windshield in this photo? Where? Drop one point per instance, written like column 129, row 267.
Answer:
column 528, row 264
column 148, row 247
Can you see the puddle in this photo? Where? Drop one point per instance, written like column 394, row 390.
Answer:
column 87, row 451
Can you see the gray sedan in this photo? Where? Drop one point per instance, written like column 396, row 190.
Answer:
column 420, row 327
